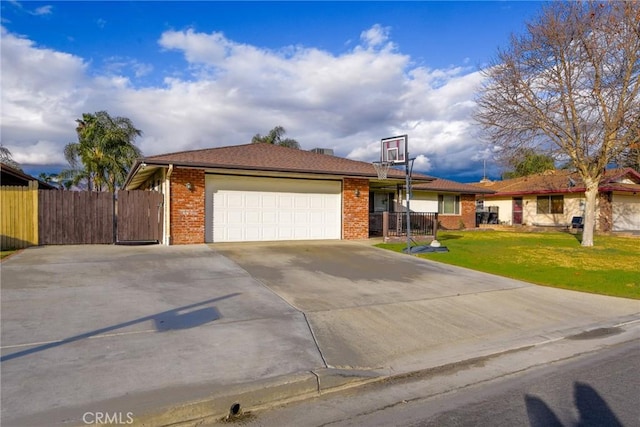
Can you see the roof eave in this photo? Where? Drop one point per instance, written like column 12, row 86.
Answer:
column 199, row 165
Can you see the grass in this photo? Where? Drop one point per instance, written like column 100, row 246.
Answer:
column 6, row 253
column 610, row 267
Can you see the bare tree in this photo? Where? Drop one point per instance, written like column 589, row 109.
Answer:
column 568, row 86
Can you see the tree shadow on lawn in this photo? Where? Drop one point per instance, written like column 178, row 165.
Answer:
column 443, row 236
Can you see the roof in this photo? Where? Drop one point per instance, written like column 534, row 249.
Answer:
column 445, row 185
column 563, row 181
column 15, row 177
column 263, row 157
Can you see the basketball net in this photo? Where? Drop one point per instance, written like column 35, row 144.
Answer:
column 382, row 168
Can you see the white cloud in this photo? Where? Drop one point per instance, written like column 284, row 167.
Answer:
column 43, row 10
column 232, row 91
column 375, row 36
column 41, row 91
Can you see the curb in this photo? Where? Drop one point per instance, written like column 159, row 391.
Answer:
column 267, row 393
column 257, row 395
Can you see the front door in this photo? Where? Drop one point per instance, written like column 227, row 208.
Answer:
column 517, row 211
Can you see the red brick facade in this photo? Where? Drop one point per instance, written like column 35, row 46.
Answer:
column 355, row 209
column 187, row 206
column 467, row 218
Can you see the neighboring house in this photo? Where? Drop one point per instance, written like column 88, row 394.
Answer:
column 455, row 202
column 554, row 198
column 13, row 177
column 261, row 192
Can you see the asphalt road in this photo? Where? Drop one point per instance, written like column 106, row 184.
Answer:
column 601, row 388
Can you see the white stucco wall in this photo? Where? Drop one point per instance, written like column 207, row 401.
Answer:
column 573, row 206
column 505, row 208
column 423, row 201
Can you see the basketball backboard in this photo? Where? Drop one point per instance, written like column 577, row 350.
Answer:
column 394, row 150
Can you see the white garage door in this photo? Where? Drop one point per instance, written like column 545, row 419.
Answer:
column 250, row 209
column 626, row 213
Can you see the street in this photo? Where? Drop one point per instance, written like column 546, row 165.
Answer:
column 601, row 388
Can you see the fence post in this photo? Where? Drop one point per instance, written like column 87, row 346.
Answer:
column 385, row 225
column 33, row 192
column 435, row 227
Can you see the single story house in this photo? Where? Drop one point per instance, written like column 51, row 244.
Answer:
column 554, row 198
column 10, row 176
column 454, row 202
column 263, row 192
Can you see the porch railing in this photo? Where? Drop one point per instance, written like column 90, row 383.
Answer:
column 394, row 224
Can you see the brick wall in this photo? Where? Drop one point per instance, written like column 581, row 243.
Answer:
column 355, row 209
column 187, row 206
column 468, row 202
column 467, row 218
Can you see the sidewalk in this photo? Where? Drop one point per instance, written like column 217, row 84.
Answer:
column 181, row 334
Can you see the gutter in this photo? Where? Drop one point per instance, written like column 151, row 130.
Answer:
column 167, row 207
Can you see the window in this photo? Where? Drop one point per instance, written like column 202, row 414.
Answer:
column 550, row 205
column 449, row 204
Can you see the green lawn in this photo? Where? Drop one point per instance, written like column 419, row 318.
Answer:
column 610, row 267
column 6, row 253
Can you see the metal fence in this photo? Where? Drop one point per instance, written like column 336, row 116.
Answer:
column 422, row 223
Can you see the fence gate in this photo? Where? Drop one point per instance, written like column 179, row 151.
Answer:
column 139, row 216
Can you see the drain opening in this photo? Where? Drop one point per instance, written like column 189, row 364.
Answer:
column 234, row 411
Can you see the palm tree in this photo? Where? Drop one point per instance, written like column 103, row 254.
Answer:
column 104, row 153
column 275, row 137
column 49, row 178
column 7, row 158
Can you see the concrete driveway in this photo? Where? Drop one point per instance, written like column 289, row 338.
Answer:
column 130, row 329
column 375, row 309
column 103, row 328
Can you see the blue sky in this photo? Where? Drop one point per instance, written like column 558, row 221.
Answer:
column 191, row 75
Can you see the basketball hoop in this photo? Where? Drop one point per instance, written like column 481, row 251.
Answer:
column 382, row 168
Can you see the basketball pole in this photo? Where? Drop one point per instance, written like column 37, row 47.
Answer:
column 408, row 171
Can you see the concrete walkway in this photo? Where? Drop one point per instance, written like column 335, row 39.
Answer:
column 166, row 334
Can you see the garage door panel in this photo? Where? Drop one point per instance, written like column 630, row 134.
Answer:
column 261, row 209
column 269, row 202
column 626, row 212
column 285, row 201
column 233, row 200
column 252, row 218
column 270, row 217
column 301, row 218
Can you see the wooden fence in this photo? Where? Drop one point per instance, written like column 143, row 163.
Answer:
column 75, row 217
column 140, row 216
column 30, row 217
column 19, row 216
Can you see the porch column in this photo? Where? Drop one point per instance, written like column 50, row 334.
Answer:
column 355, row 208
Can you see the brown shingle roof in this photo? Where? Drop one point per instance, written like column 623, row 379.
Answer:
column 11, row 176
column 444, row 185
column 561, row 181
column 268, row 157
